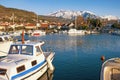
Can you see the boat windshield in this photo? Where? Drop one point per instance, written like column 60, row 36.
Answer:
column 21, row 49
column 27, row 50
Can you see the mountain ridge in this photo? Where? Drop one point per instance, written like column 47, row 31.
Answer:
column 63, row 16
column 70, row 14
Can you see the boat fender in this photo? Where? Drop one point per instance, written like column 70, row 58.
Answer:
column 102, row 58
column 50, row 65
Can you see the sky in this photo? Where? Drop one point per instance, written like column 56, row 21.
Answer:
column 45, row 7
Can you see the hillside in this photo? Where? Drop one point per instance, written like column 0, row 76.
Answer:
column 19, row 15
column 6, row 14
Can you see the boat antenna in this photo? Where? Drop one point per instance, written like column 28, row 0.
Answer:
column 23, row 37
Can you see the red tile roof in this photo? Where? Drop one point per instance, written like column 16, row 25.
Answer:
column 30, row 25
column 45, row 25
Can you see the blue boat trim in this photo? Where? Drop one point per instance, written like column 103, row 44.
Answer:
column 28, row 71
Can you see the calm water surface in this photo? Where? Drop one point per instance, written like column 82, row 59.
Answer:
column 78, row 57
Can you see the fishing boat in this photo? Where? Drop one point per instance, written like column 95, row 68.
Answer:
column 116, row 32
column 26, row 61
column 5, row 42
column 76, row 32
column 38, row 33
column 111, row 69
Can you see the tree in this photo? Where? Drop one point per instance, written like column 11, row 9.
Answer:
column 81, row 23
column 95, row 22
column 116, row 25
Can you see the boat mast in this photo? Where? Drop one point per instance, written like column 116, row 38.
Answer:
column 13, row 22
column 13, row 17
column 37, row 25
column 23, row 41
column 75, row 22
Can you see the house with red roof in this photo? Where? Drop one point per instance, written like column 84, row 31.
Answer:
column 4, row 25
column 44, row 26
column 30, row 26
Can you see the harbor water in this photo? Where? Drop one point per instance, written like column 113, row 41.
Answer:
column 78, row 57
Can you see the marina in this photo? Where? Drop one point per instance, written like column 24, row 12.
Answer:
column 78, row 57
column 59, row 40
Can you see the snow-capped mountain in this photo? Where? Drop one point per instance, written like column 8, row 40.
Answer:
column 110, row 17
column 72, row 14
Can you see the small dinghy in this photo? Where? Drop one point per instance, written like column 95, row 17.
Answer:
column 111, row 69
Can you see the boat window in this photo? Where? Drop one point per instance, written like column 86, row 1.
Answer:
column 28, row 50
column 6, row 38
column 2, row 71
column 1, row 40
column 34, row 62
column 14, row 49
column 21, row 68
column 38, row 51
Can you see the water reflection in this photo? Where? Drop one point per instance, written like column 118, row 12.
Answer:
column 47, row 76
column 86, row 44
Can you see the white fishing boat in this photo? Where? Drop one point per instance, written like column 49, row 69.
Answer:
column 25, row 61
column 117, row 32
column 5, row 42
column 111, row 69
column 76, row 32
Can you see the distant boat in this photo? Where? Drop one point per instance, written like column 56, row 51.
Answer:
column 117, row 32
column 93, row 32
column 111, row 69
column 25, row 61
column 76, row 32
column 38, row 33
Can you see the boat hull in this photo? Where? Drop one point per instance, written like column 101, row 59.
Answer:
column 111, row 70
column 34, row 74
column 37, row 74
